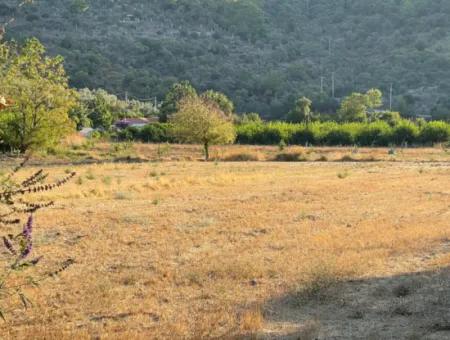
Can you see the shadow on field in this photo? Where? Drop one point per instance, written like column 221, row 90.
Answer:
column 412, row 306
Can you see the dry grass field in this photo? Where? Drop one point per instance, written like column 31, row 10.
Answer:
column 77, row 150
column 301, row 250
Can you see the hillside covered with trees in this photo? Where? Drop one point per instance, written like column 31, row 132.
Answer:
column 263, row 54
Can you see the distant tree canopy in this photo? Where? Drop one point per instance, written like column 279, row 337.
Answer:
column 354, row 108
column 301, row 111
column 176, row 94
column 99, row 109
column 37, row 87
column 221, row 100
column 181, row 91
column 200, row 121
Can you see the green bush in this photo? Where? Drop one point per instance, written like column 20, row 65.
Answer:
column 156, row 133
column 302, row 135
column 274, row 133
column 152, row 133
column 374, row 134
column 378, row 133
column 128, row 134
column 435, row 132
column 245, row 133
column 405, row 132
column 341, row 135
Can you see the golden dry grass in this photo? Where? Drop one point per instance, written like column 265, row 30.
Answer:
column 80, row 150
column 195, row 250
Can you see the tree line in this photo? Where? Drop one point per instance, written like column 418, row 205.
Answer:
column 40, row 108
column 262, row 53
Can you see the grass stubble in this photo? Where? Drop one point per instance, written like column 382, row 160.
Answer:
column 223, row 241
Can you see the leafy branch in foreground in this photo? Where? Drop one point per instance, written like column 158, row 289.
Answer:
column 18, row 266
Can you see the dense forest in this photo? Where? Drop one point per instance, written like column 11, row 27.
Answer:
column 263, row 54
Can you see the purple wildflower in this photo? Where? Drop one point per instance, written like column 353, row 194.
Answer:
column 9, row 245
column 36, row 260
column 27, row 235
column 28, row 229
column 27, row 250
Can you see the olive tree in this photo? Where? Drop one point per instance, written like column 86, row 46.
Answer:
column 200, row 121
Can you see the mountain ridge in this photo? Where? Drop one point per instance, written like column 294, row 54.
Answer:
column 261, row 53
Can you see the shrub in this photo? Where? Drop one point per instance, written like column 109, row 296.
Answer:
column 302, row 135
column 405, row 132
column 245, row 133
column 378, row 133
column 321, row 129
column 18, row 265
column 435, row 132
column 128, row 134
column 339, row 136
column 264, row 134
column 374, row 134
column 289, row 157
column 156, row 133
column 272, row 134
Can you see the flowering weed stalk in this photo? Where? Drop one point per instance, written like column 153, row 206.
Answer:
column 16, row 266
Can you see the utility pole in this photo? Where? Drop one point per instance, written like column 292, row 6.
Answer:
column 321, row 84
column 330, row 47
column 332, row 85
column 390, row 97
column 126, row 96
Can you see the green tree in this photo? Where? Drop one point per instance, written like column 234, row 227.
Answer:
column 390, row 117
column 221, row 100
column 80, row 115
column 176, row 94
column 100, row 109
column 301, row 111
column 199, row 121
column 101, row 115
column 38, row 87
column 354, row 108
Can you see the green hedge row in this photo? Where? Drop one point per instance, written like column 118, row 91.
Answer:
column 378, row 133
column 152, row 133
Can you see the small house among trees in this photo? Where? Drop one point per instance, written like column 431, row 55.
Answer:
column 134, row 122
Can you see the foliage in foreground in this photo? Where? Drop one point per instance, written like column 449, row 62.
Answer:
column 17, row 207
